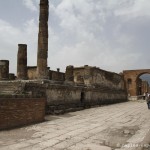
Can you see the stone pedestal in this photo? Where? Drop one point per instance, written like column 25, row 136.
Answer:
column 11, row 76
column 4, row 69
column 22, row 62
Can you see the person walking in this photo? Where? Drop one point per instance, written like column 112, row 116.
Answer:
column 148, row 100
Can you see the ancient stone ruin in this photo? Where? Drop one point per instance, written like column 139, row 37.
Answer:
column 77, row 88
column 4, row 70
column 42, row 70
column 22, row 62
column 134, row 85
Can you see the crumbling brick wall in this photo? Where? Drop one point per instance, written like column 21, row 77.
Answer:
column 16, row 112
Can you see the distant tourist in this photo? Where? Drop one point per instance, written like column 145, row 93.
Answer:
column 144, row 95
column 148, row 100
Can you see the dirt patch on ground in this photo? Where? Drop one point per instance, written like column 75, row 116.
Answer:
column 116, row 138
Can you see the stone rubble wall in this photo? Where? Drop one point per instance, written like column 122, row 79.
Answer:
column 52, row 75
column 62, row 96
column 103, row 96
column 61, row 99
column 96, row 77
column 56, row 76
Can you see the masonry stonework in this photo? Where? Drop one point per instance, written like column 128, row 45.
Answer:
column 22, row 62
column 4, row 69
column 42, row 72
column 12, row 76
column 56, row 75
column 69, row 73
column 16, row 112
column 32, row 72
column 131, row 78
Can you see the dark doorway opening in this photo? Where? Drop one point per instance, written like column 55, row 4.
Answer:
column 82, row 97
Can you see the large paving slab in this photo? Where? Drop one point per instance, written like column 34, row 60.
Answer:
column 124, row 126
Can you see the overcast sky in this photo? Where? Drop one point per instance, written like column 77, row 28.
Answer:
column 111, row 34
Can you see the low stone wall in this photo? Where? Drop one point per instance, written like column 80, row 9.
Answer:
column 103, row 96
column 16, row 112
column 135, row 98
column 61, row 98
column 64, row 98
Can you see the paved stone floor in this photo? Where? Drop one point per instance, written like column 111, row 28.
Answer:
column 115, row 127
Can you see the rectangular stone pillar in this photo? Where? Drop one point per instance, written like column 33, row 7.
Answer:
column 4, row 69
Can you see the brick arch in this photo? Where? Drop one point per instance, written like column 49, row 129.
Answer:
column 133, row 77
column 143, row 74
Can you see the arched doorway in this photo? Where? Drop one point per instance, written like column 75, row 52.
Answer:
column 145, row 85
column 136, row 83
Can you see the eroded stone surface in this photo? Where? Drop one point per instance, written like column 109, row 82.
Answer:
column 4, row 69
column 22, row 61
column 102, row 128
column 42, row 71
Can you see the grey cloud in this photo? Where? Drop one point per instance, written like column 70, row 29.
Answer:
column 111, row 40
column 10, row 37
column 110, row 34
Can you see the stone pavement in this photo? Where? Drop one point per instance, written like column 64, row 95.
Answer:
column 124, row 126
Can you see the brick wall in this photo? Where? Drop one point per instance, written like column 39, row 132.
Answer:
column 15, row 112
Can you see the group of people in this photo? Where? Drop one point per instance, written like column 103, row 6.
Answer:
column 147, row 97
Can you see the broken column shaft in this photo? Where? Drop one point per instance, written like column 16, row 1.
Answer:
column 22, row 62
column 42, row 70
column 4, row 69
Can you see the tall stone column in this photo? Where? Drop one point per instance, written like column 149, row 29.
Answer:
column 22, row 62
column 4, row 69
column 42, row 70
